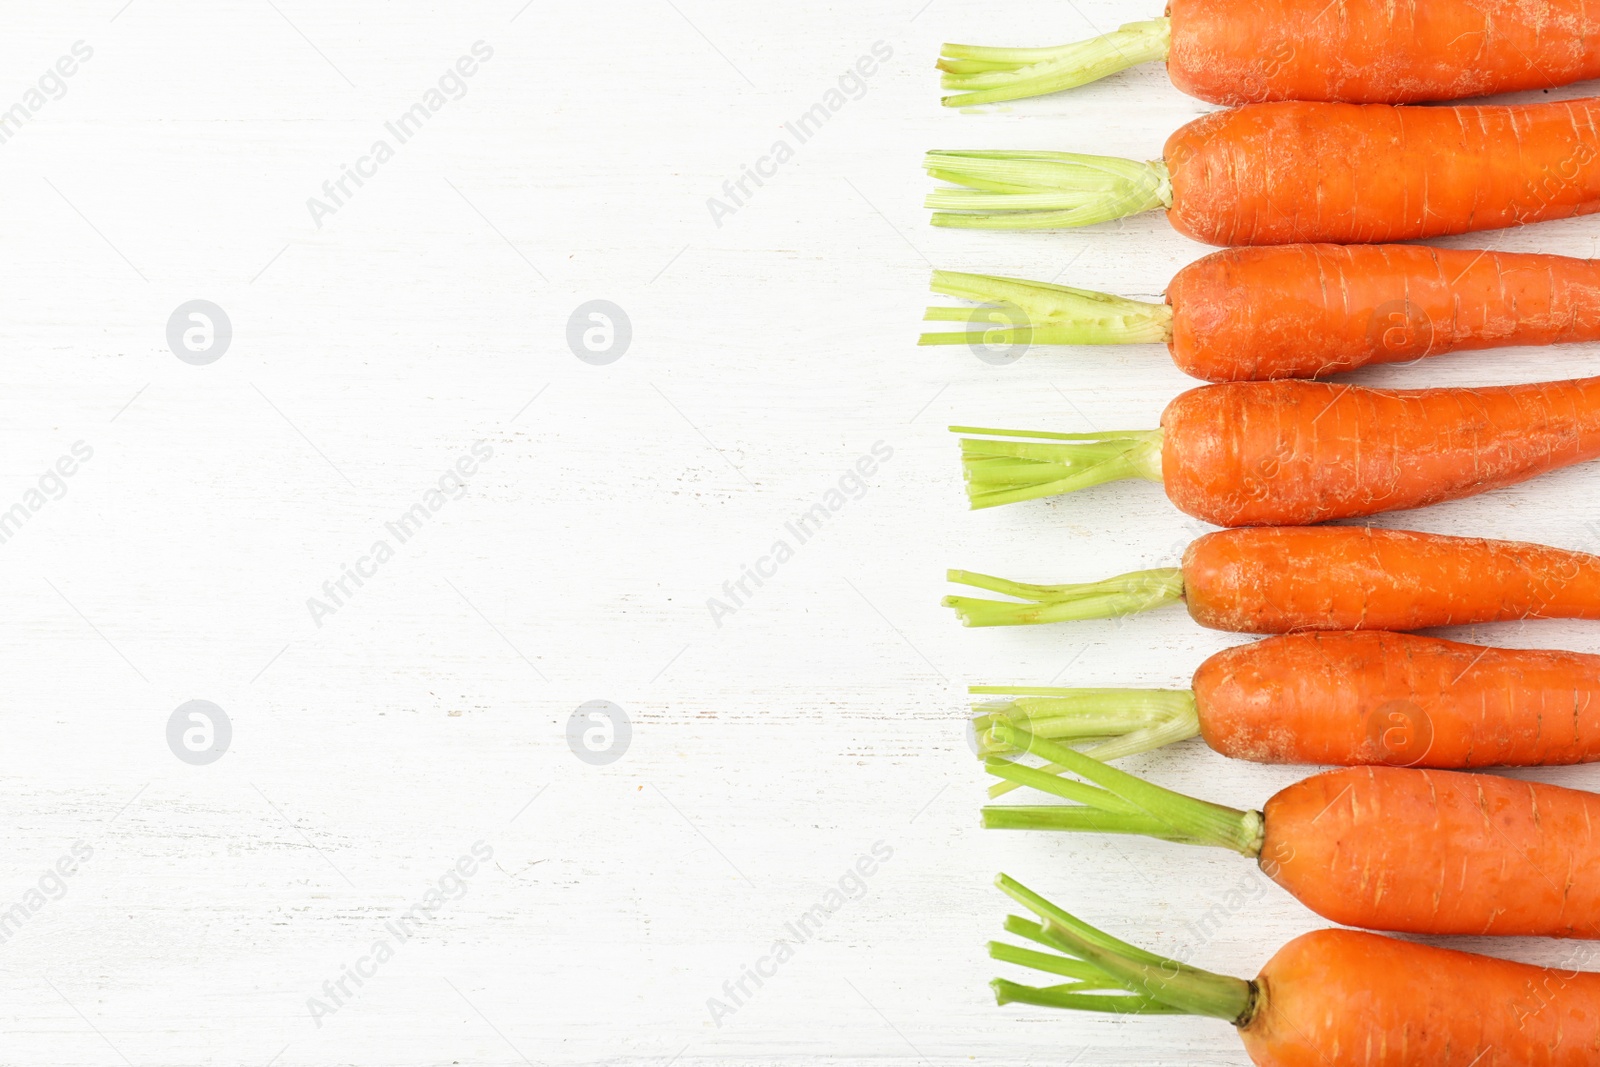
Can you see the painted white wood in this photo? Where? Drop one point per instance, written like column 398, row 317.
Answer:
column 427, row 715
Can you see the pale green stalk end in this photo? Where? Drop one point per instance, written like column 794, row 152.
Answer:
column 1125, row 594
column 990, row 75
column 1042, row 190
column 1107, row 974
column 1026, row 465
column 1043, row 314
column 1109, row 723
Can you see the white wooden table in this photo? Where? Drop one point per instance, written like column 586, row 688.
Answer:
column 380, row 739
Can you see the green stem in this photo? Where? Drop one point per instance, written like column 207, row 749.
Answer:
column 1081, row 820
column 1049, row 464
column 1125, row 594
column 1124, row 722
column 1043, row 314
column 1151, row 984
column 1042, row 190
column 1197, row 820
column 990, row 75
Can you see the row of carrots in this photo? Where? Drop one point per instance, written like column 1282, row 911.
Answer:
column 1318, row 159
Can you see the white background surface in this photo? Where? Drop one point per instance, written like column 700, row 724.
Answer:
column 430, row 711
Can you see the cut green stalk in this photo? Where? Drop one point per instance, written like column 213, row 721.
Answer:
column 1082, row 820
column 1197, row 821
column 1151, row 984
column 990, row 75
column 1044, row 314
column 1049, row 464
column 1125, row 594
column 1120, row 722
column 1042, row 190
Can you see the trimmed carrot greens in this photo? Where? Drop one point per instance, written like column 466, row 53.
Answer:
column 1031, row 464
column 1042, row 190
column 989, row 75
column 1125, row 594
column 1097, row 963
column 1049, row 314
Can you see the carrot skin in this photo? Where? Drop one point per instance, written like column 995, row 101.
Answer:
column 1239, row 51
column 1306, row 310
column 1351, row 998
column 1294, row 452
column 1438, row 852
column 1280, row 580
column 1399, row 699
column 1253, row 175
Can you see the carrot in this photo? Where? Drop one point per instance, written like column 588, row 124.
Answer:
column 1345, row 698
column 1385, row 848
column 1329, row 997
column 1293, row 452
column 1299, row 311
column 1256, row 175
column 1366, row 51
column 1282, row 579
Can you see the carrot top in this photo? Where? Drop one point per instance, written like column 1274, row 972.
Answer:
column 1125, row 594
column 1032, row 464
column 1116, row 802
column 1106, row 974
column 1044, row 314
column 1042, row 190
column 1113, row 723
column 990, row 75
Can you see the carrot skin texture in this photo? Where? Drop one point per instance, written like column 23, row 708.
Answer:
column 1370, row 697
column 1362, row 1000
column 1289, row 453
column 1252, row 175
column 1268, row 580
column 1306, row 310
column 1240, row 51
column 1438, row 852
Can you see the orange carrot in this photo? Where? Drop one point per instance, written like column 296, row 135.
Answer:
column 1294, row 452
column 1385, row 848
column 1258, row 175
column 1330, row 998
column 1299, row 311
column 1274, row 580
column 1365, row 51
column 1354, row 697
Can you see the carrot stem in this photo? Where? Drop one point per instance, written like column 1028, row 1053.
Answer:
column 1125, row 594
column 1043, row 314
column 1046, row 464
column 1120, row 722
column 1042, row 190
column 1151, row 984
column 990, row 75
column 1183, row 817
